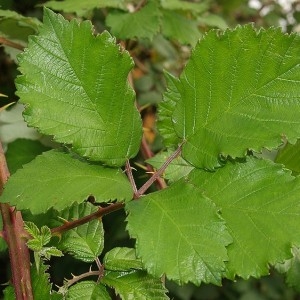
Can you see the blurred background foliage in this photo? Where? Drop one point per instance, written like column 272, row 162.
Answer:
column 163, row 41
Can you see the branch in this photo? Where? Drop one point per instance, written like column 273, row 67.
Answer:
column 14, row 233
column 9, row 43
column 147, row 153
column 96, row 215
column 159, row 172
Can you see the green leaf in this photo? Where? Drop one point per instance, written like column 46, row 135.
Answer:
column 86, row 241
column 144, row 23
column 179, row 233
column 55, row 179
column 177, row 169
column 87, row 290
column 47, row 252
column 176, row 26
column 74, row 85
column 40, row 283
column 184, row 5
column 241, row 89
column 17, row 27
column 121, row 259
column 135, row 285
column 289, row 155
column 165, row 111
column 9, row 293
column 260, row 203
column 81, row 8
column 292, row 269
column 21, row 152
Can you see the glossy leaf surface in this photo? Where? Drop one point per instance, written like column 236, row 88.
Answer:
column 240, row 90
column 74, row 86
column 179, row 233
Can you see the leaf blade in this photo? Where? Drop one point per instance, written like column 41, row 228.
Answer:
column 258, row 200
column 237, row 104
column 78, row 90
column 57, row 180
column 168, row 227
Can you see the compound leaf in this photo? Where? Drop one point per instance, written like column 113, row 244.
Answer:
column 87, row 290
column 74, row 86
column 122, row 259
column 55, row 179
column 86, row 241
column 135, row 285
column 259, row 202
column 239, row 90
column 179, row 233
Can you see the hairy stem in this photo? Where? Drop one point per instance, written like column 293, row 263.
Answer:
column 15, row 237
column 96, row 215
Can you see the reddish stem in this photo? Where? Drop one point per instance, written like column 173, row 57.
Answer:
column 147, row 153
column 14, row 235
column 158, row 173
column 96, row 215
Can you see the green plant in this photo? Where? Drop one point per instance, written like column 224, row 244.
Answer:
column 226, row 213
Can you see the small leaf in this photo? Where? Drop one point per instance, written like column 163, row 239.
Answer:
column 179, row 233
column 55, row 179
column 32, row 229
column 177, row 169
column 86, row 241
column 81, row 8
column 135, row 285
column 240, row 90
column 141, row 24
column 260, row 204
column 176, row 26
column 75, row 87
column 45, row 234
column 47, row 252
column 121, row 259
column 87, row 290
column 42, row 289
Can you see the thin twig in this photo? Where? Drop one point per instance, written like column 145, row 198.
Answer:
column 9, row 43
column 128, row 169
column 81, row 276
column 96, row 215
column 159, row 172
column 147, row 153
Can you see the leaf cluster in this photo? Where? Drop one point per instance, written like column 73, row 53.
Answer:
column 227, row 211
